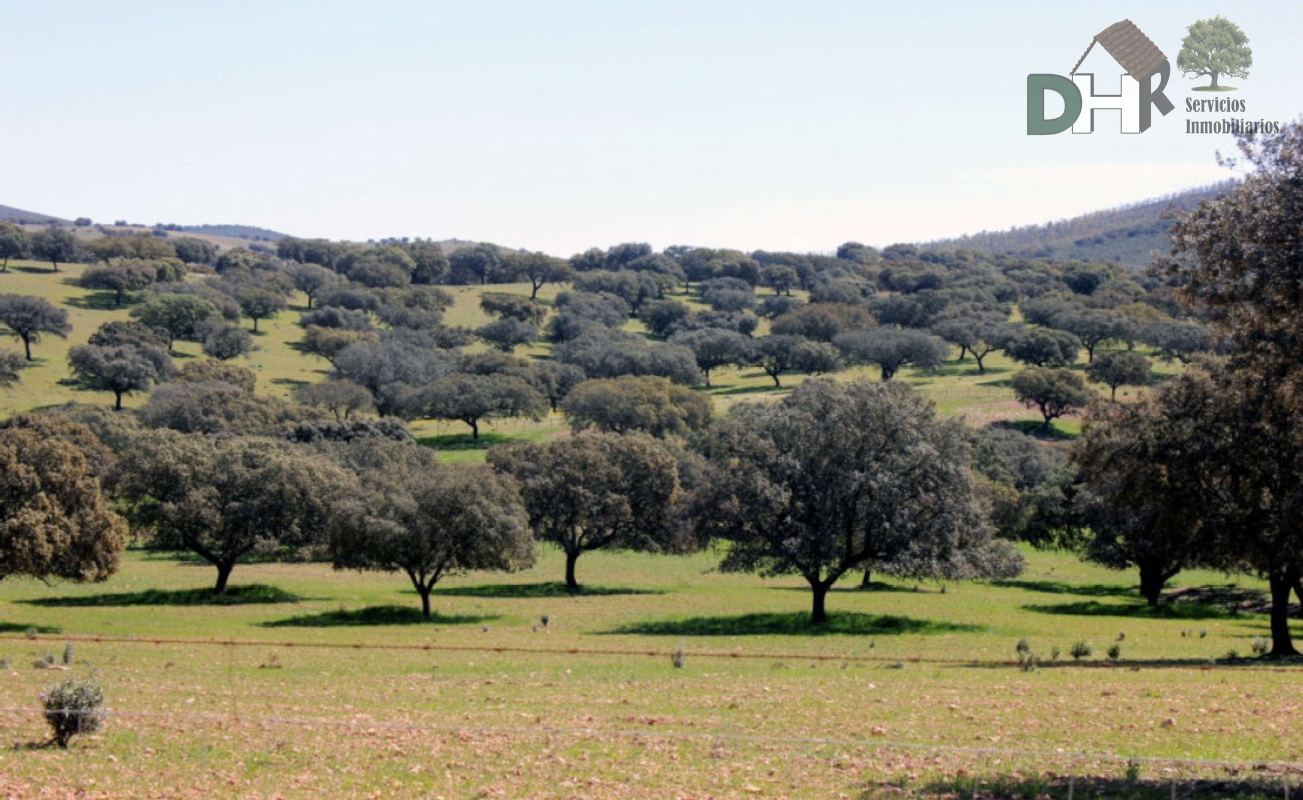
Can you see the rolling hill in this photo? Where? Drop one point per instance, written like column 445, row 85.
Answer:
column 1127, row 234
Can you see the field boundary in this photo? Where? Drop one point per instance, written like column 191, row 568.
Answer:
column 1189, row 664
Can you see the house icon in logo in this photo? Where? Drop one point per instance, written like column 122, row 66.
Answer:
column 1141, row 60
column 1130, row 47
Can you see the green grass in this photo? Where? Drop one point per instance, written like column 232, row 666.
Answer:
column 1212, row 89
column 485, row 700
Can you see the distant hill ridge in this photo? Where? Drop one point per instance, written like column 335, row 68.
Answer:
column 11, row 214
column 1126, row 234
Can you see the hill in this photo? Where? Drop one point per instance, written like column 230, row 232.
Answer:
column 1127, row 234
column 250, row 232
column 18, row 215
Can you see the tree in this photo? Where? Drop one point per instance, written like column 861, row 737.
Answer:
column 1215, row 47
column 313, row 280
column 1119, row 369
column 223, row 498
column 340, row 398
column 429, row 264
column 179, row 315
column 540, row 269
column 10, row 365
column 650, row 404
column 555, row 380
column 1092, row 328
column 661, row 316
column 259, row 303
column 716, row 347
column 507, row 334
column 779, row 353
column 224, row 341
column 513, row 306
column 595, row 491
column 474, row 264
column 13, row 244
column 1043, row 347
column 211, row 370
column 411, row 514
column 30, row 318
column 120, row 369
column 330, row 342
column 1054, row 391
column 1145, row 481
column 837, row 475
column 609, row 354
column 120, row 277
column 193, row 250
column 1240, row 257
column 128, row 334
column 892, row 348
column 54, row 520
column 822, row 321
column 472, row 398
column 55, row 245
column 979, row 335
column 213, row 407
column 1180, row 341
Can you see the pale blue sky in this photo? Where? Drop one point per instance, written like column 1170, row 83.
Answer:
column 564, row 125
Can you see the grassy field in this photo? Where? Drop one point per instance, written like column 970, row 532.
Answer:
column 957, row 388
column 327, row 684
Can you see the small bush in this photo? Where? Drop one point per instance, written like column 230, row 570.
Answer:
column 545, row 619
column 1114, row 652
column 677, row 658
column 1055, row 652
column 1081, row 650
column 67, row 654
column 1260, row 645
column 44, row 662
column 1028, row 662
column 73, row 707
column 1024, row 647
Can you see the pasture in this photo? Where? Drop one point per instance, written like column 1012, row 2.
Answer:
column 324, row 684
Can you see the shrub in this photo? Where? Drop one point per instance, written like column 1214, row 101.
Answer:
column 1024, row 647
column 1081, row 650
column 73, row 707
column 1055, row 652
column 1260, row 645
column 67, row 654
column 1114, row 652
column 677, row 658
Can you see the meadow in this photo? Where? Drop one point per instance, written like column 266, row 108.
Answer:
column 664, row 678
column 313, row 683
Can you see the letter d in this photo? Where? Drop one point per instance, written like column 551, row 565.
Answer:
column 1037, row 86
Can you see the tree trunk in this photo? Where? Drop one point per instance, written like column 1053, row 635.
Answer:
column 772, row 375
column 534, row 294
column 424, row 592
column 475, row 429
column 27, row 345
column 707, row 373
column 981, row 368
column 1213, row 85
column 1298, row 592
column 1152, row 579
column 117, row 402
column 867, row 580
column 255, row 324
column 572, row 585
column 223, row 575
column 820, row 590
column 1281, row 642
column 1113, row 394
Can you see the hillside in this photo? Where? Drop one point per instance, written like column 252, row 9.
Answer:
column 18, row 215
column 250, row 232
column 1127, row 234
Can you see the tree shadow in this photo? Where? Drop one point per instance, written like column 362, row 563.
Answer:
column 1094, row 608
column 874, row 586
column 463, row 441
column 31, row 270
column 18, row 627
column 1036, row 429
column 1053, row 787
column 290, row 382
column 375, row 615
column 769, row 389
column 1059, row 587
column 792, row 624
column 98, row 301
column 537, row 590
column 252, row 594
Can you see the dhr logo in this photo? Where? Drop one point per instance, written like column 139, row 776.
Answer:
column 1139, row 57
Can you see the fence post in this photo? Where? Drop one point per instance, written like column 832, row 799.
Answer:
column 1072, row 784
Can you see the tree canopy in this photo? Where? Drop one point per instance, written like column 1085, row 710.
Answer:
column 30, row 318
column 1215, row 47
column 838, row 475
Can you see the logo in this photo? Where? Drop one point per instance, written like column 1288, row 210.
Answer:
column 1140, row 59
column 1213, row 48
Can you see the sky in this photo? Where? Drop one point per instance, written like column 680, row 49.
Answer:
column 563, row 125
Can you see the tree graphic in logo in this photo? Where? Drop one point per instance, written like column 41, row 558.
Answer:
column 1215, row 47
